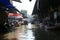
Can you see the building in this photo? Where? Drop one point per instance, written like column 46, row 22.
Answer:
column 46, row 7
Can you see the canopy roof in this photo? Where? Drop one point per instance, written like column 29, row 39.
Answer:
column 6, row 3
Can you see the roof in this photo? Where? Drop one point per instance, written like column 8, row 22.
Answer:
column 7, row 3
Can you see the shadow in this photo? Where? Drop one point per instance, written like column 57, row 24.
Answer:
column 53, row 34
column 2, row 37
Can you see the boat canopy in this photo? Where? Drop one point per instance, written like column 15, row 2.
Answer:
column 7, row 3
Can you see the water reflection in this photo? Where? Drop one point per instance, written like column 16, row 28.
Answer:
column 27, row 34
column 2, row 37
column 47, row 35
column 32, row 32
column 29, row 26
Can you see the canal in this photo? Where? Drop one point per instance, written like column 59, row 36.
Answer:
column 31, row 32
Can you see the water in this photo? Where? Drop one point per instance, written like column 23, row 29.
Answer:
column 28, row 33
column 53, row 34
column 33, row 32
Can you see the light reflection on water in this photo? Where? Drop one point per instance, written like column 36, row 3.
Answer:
column 29, row 26
column 28, row 34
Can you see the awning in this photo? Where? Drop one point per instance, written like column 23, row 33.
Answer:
column 16, row 15
column 7, row 3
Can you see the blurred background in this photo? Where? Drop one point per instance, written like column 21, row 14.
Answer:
column 29, row 19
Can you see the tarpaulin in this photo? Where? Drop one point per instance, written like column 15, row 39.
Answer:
column 7, row 3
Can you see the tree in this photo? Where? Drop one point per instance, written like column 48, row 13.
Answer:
column 24, row 12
